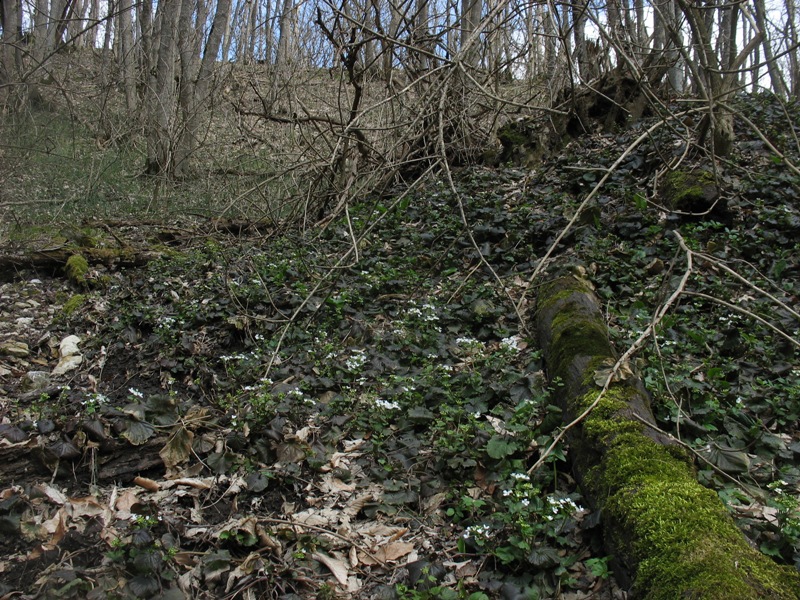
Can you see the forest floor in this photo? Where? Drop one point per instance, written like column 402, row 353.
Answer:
column 262, row 412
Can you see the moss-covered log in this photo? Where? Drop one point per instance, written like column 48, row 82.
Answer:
column 670, row 536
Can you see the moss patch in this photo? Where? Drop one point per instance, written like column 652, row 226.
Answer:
column 73, row 304
column 674, row 535
column 77, row 268
column 689, row 191
column 678, row 533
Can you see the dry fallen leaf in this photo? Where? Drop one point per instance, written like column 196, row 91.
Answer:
column 336, row 566
column 387, row 553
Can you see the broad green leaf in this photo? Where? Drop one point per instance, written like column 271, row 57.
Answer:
column 138, row 432
column 499, row 447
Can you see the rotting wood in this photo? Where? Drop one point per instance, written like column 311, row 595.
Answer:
column 670, row 536
column 54, row 260
column 117, row 461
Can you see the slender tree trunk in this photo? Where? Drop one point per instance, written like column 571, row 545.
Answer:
column 285, row 31
column 579, row 18
column 269, row 33
column 421, row 16
column 195, row 104
column 161, row 108
column 471, row 11
column 641, row 25
column 388, row 45
column 775, row 78
column 55, row 24
column 252, row 33
column 794, row 62
column 12, row 94
column 75, row 23
column 90, row 39
column 127, row 55
column 531, row 41
column 40, row 17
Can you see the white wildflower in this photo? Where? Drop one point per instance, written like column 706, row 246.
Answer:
column 387, row 404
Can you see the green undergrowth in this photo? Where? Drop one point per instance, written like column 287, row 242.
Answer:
column 277, row 355
column 414, row 353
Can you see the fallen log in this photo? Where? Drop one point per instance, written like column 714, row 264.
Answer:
column 670, row 536
column 55, row 260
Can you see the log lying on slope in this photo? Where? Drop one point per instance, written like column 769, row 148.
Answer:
column 671, row 536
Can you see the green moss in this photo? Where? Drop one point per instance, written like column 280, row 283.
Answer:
column 73, row 304
column 77, row 268
column 684, row 189
column 678, row 533
column 511, row 136
column 675, row 534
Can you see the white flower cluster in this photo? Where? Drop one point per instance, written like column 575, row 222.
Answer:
column 136, row 393
column 511, row 343
column 427, row 312
column 482, row 531
column 166, row 322
column 559, row 505
column 240, row 356
column 386, row 404
column 97, row 398
column 356, row 360
column 777, row 486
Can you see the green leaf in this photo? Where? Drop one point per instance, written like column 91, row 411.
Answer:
column 144, row 586
column 506, row 554
column 500, row 447
column 138, row 432
column 728, row 459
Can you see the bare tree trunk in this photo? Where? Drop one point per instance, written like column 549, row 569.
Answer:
column 90, row 38
column 794, row 62
column 471, row 11
column 269, row 33
column 775, row 78
column 641, row 25
column 421, row 16
column 40, row 17
column 162, row 100
column 550, row 45
column 532, row 41
column 127, row 56
column 579, row 18
column 75, row 23
column 55, row 24
column 12, row 93
column 144, row 18
column 713, row 84
column 388, row 45
column 227, row 38
column 195, row 104
column 286, row 33
column 250, row 38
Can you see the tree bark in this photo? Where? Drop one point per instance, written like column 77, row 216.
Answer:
column 671, row 537
column 163, row 97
